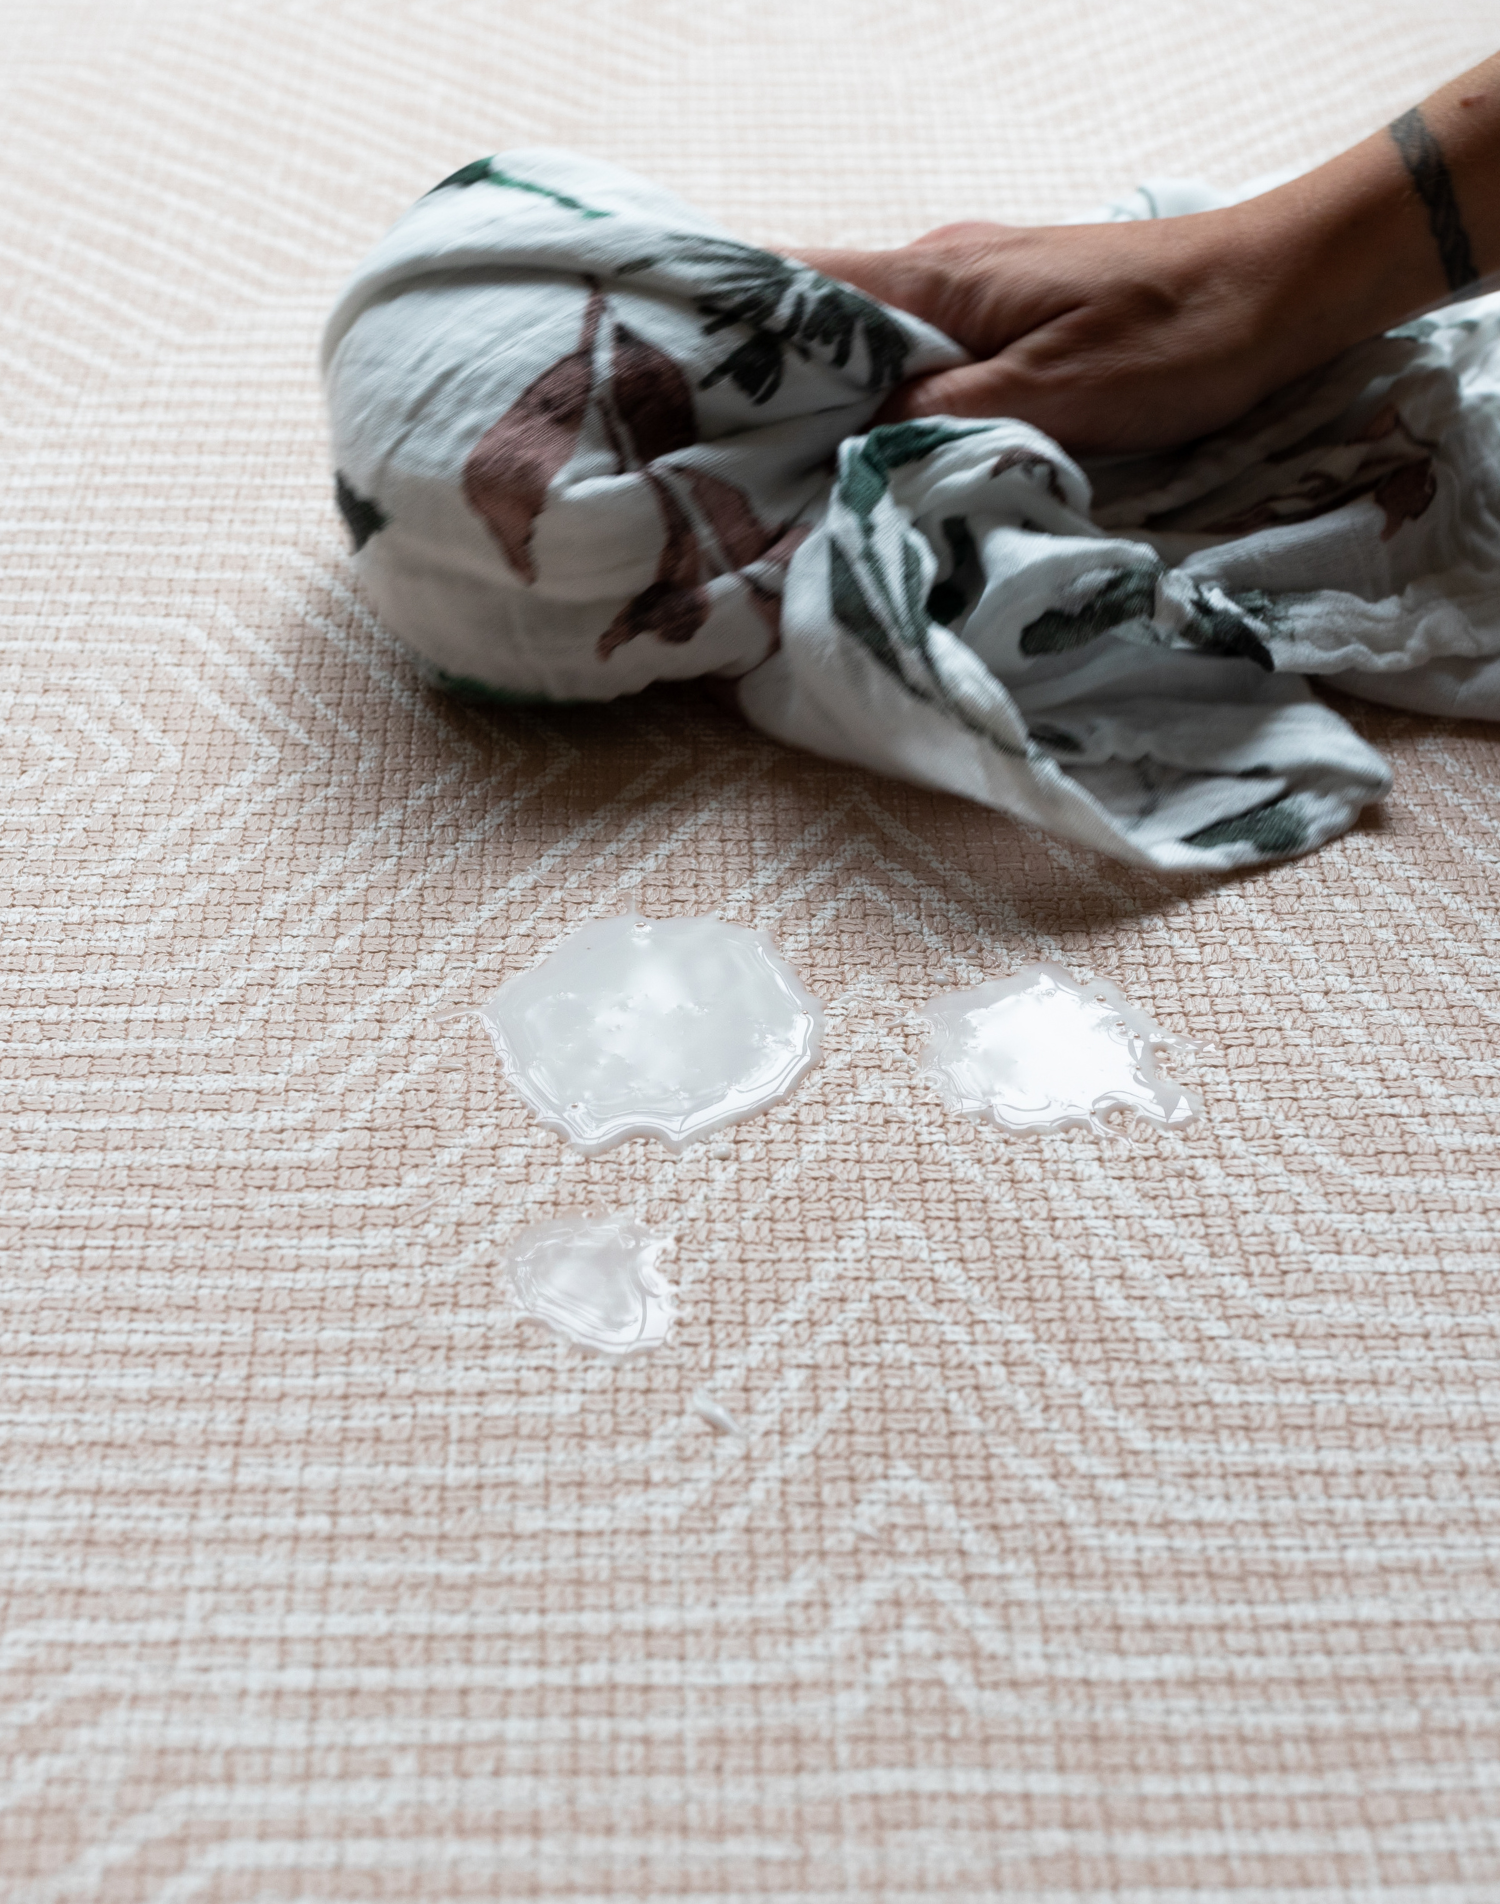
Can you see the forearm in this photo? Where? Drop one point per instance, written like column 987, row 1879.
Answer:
column 1397, row 224
column 1135, row 336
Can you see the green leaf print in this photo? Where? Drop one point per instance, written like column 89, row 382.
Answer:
column 486, row 172
column 1224, row 628
column 474, row 173
column 862, row 483
column 476, row 693
column 1215, row 624
column 1056, row 740
column 786, row 306
column 1127, row 595
column 755, row 368
column 953, row 594
column 1277, row 829
column 914, row 596
column 893, row 445
column 852, row 610
column 839, row 314
column 865, row 473
column 363, row 516
column 900, row 639
column 893, row 619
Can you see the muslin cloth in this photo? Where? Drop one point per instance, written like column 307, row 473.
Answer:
column 585, row 440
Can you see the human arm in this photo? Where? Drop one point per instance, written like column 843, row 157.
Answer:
column 1141, row 335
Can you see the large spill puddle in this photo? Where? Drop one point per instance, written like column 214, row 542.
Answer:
column 667, row 1028
column 1043, row 1052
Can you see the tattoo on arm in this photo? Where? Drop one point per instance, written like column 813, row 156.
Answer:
column 1423, row 158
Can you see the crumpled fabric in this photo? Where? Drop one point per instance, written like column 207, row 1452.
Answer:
column 585, row 440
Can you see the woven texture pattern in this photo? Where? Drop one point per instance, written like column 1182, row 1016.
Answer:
column 1111, row 1526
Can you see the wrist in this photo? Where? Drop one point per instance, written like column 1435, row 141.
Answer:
column 1343, row 252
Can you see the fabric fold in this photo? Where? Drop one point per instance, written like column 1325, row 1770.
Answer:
column 586, row 440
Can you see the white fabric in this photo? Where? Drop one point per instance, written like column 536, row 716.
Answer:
column 586, row 441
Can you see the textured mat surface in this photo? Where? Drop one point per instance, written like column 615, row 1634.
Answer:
column 1110, row 1526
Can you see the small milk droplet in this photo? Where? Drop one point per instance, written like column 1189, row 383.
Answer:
column 593, row 1280
column 717, row 1416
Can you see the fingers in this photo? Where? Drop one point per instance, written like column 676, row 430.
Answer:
column 1083, row 414
column 996, row 389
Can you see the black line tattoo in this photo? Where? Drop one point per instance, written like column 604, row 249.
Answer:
column 1423, row 158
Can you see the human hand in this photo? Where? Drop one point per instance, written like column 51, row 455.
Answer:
column 1141, row 335
column 1120, row 336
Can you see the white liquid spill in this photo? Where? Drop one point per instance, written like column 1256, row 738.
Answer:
column 593, row 1280
column 717, row 1416
column 1043, row 1052
column 666, row 1028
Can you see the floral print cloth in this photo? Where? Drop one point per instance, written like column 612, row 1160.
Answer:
column 585, row 440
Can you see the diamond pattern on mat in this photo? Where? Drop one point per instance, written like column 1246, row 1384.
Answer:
column 1107, row 1526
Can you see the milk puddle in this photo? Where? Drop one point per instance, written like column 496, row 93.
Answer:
column 1043, row 1052
column 592, row 1279
column 668, row 1028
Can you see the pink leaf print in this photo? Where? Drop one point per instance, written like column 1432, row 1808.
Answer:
column 1031, row 466
column 766, row 601
column 740, row 533
column 511, row 467
column 1405, row 494
column 672, row 607
column 652, row 401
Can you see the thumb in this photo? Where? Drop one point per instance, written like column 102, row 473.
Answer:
column 971, row 390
